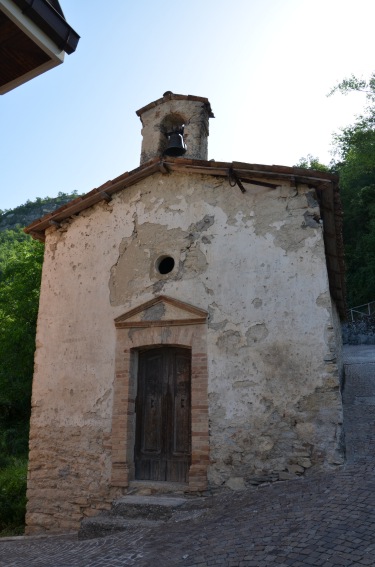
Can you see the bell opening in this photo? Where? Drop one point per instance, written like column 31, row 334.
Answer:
column 176, row 146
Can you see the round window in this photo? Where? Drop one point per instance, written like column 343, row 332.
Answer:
column 165, row 264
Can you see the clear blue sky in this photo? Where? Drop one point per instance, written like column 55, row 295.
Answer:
column 265, row 65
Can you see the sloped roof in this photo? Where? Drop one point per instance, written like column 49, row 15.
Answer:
column 268, row 176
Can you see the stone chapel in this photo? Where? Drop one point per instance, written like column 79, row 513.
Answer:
column 188, row 327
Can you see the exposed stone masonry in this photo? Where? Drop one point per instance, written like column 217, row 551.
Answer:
column 170, row 112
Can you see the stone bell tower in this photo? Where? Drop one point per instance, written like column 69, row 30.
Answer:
column 175, row 112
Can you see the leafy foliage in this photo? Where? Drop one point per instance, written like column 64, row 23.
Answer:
column 355, row 162
column 20, row 273
column 13, row 497
column 310, row 162
column 354, row 84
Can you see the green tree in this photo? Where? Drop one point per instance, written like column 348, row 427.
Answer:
column 354, row 150
column 20, row 273
column 311, row 162
column 13, row 497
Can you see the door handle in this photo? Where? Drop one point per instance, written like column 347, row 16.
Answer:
column 182, row 402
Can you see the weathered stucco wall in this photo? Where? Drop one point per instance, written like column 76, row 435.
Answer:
column 255, row 262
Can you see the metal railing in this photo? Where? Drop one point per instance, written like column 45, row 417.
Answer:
column 361, row 311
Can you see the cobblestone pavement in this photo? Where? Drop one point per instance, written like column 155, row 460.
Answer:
column 327, row 518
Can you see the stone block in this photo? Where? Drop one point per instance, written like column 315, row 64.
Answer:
column 295, row 469
column 236, row 483
column 286, row 475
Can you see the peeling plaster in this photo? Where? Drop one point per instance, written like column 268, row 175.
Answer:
column 256, row 333
column 248, row 260
column 138, row 257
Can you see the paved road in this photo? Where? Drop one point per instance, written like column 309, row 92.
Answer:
column 326, row 519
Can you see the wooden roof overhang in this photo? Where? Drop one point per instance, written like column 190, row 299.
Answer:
column 237, row 173
column 33, row 38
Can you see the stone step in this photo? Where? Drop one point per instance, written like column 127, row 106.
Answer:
column 136, row 511
column 157, row 487
column 106, row 524
column 147, row 507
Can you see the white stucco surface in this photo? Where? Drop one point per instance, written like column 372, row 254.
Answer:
column 250, row 260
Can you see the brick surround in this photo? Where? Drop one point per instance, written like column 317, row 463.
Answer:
column 131, row 338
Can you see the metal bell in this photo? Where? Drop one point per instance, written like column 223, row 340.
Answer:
column 176, row 145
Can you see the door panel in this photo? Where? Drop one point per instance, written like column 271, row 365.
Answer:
column 181, row 414
column 163, row 415
column 151, row 407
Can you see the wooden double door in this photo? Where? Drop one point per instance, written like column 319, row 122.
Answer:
column 163, row 415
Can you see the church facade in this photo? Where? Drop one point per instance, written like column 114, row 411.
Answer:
column 188, row 328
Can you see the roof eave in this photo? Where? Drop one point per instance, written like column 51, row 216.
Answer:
column 51, row 22
column 246, row 172
column 40, row 49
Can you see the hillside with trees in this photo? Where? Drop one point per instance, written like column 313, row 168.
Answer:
column 23, row 215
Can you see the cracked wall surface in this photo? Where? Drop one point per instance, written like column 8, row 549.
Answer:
column 255, row 262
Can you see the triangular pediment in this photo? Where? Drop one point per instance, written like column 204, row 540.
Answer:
column 162, row 311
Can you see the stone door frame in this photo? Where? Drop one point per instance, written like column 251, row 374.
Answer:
column 188, row 329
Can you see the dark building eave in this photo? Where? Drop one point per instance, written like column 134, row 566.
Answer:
column 51, row 22
column 34, row 37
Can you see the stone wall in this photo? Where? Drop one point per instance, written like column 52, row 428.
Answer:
column 252, row 262
column 69, row 477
